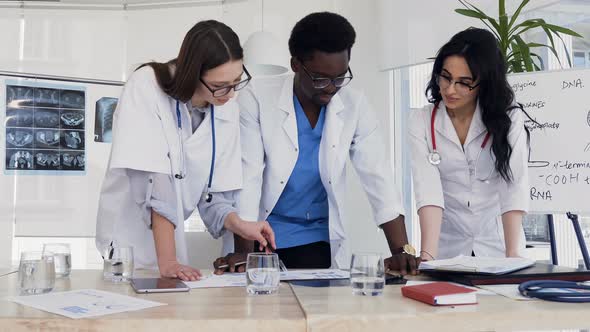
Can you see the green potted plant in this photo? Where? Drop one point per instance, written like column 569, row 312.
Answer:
column 519, row 54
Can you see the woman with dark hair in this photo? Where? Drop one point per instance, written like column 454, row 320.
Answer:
column 176, row 148
column 469, row 154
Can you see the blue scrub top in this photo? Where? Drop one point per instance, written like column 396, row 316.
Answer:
column 301, row 214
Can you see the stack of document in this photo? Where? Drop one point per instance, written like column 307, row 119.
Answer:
column 480, row 265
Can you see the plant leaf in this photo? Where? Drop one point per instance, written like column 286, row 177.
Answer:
column 492, row 21
column 471, row 13
column 567, row 53
column 517, row 13
column 525, row 53
column 565, row 31
column 552, row 48
column 538, row 57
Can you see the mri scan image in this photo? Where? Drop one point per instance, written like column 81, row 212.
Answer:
column 72, row 139
column 19, row 138
column 19, row 159
column 72, row 119
column 46, row 97
column 46, row 138
column 103, row 122
column 73, row 160
column 47, row 159
column 72, row 99
column 17, row 96
column 45, row 128
column 46, row 118
column 19, row 117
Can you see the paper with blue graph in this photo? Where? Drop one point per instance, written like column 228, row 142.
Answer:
column 84, row 303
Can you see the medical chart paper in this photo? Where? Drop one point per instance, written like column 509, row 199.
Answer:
column 318, row 274
column 84, row 303
column 483, row 265
column 239, row 279
column 218, row 281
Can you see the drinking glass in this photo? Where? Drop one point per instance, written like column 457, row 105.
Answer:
column 118, row 264
column 367, row 274
column 62, row 258
column 262, row 273
column 36, row 272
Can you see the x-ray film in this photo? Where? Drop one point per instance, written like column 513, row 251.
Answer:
column 45, row 126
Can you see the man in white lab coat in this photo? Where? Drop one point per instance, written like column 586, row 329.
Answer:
column 297, row 133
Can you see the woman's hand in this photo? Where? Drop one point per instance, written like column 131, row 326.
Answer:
column 173, row 269
column 258, row 231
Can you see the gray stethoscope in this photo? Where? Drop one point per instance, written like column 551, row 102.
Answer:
column 556, row 290
column 207, row 195
column 434, row 157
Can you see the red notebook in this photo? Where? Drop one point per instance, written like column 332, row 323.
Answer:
column 440, row 293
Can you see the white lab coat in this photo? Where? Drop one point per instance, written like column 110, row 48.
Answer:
column 145, row 138
column 269, row 145
column 472, row 208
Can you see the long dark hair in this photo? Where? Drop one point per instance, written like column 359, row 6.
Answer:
column 206, row 45
column 480, row 50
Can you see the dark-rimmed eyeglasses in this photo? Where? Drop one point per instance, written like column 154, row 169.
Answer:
column 224, row 90
column 463, row 88
column 324, row 82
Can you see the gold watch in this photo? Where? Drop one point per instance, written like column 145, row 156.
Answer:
column 405, row 249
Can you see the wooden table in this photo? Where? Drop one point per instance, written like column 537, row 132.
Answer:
column 336, row 309
column 216, row 309
column 296, row 308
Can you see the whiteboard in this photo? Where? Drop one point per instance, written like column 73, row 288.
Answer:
column 559, row 160
column 48, row 202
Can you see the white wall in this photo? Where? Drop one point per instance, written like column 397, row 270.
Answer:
column 108, row 44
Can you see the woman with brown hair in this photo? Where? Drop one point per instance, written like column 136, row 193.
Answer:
column 176, row 149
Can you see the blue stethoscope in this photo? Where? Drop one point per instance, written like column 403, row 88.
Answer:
column 556, row 290
column 181, row 175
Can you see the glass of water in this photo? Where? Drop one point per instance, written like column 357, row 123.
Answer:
column 262, row 273
column 118, row 264
column 367, row 274
column 36, row 272
column 62, row 258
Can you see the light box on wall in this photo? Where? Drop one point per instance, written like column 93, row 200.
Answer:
column 52, row 166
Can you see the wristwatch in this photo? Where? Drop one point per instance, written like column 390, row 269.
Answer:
column 405, row 249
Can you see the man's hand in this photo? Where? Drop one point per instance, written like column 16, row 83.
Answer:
column 402, row 263
column 229, row 262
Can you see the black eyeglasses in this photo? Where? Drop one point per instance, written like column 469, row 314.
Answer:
column 323, row 82
column 220, row 92
column 462, row 88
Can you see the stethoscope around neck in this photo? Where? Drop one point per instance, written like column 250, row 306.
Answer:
column 434, row 157
column 182, row 172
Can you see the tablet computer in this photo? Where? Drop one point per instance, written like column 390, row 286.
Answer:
column 158, row 285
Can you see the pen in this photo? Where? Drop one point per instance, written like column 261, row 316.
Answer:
column 224, row 266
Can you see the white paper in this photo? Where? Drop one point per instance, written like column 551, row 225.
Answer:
column 216, row 281
column 84, row 303
column 239, row 279
column 477, row 290
column 489, row 265
column 509, row 291
column 318, row 274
